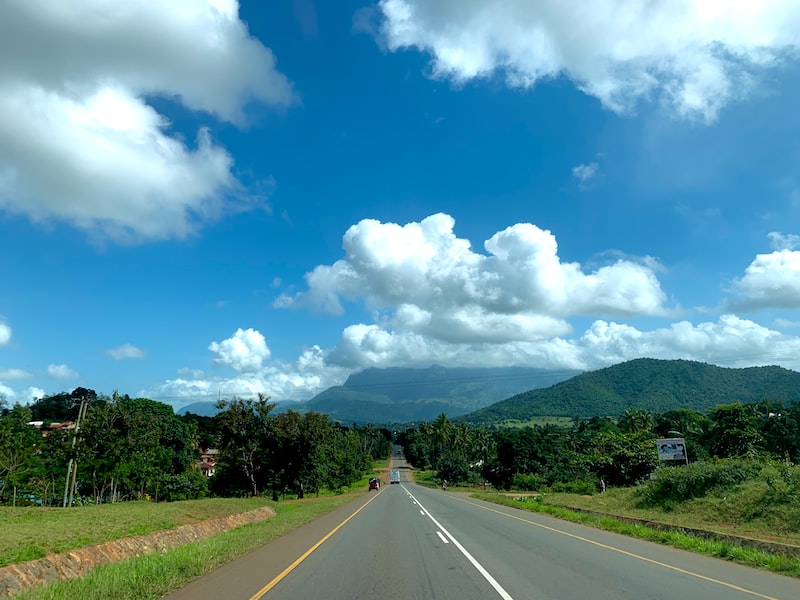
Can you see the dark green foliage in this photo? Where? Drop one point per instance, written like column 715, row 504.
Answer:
column 527, row 482
column 734, row 432
column 672, row 485
column 288, row 452
column 204, row 426
column 646, row 384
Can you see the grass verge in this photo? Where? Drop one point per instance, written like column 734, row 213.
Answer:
column 760, row 559
column 34, row 532
column 154, row 575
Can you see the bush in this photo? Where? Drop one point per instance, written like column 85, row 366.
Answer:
column 527, row 482
column 673, row 485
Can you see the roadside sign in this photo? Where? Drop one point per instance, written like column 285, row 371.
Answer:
column 672, row 449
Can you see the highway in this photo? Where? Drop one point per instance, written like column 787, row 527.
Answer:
column 410, row 542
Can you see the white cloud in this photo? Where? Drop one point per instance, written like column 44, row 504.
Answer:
column 6, row 374
column 583, row 173
column 786, row 323
column 431, row 283
column 32, row 393
column 782, row 241
column 695, row 56
column 245, row 351
column 6, row 393
column 299, row 380
column 5, row 334
column 126, row 351
column 61, row 372
column 771, row 280
column 12, row 396
column 78, row 141
column 731, row 341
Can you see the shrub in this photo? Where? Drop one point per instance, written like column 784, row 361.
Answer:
column 527, row 482
column 672, row 485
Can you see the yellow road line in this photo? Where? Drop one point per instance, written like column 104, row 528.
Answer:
column 621, row 551
column 307, row 553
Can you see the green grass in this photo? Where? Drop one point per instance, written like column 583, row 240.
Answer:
column 742, row 511
column 154, row 575
column 33, row 532
column 618, row 502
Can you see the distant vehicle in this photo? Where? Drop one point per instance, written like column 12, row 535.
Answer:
column 374, row 483
column 394, row 477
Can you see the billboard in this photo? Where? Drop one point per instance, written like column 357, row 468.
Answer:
column 671, row 449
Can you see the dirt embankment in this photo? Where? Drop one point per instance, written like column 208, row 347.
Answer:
column 77, row 563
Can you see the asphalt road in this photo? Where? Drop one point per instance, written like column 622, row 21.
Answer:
column 410, row 542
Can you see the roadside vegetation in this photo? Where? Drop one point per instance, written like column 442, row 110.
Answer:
column 81, row 449
column 740, row 477
column 562, row 506
column 155, row 575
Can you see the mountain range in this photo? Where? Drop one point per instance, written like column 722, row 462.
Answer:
column 492, row 396
column 405, row 395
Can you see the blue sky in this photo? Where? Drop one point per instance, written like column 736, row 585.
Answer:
column 203, row 198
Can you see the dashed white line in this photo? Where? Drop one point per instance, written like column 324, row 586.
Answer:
column 486, row 575
column 441, row 535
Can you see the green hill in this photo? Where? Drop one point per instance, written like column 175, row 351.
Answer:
column 649, row 384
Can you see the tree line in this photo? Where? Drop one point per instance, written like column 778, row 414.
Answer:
column 136, row 448
column 620, row 451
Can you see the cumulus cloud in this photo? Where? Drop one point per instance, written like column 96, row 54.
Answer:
column 244, row 351
column 730, row 341
column 584, row 173
column 695, row 56
column 126, row 351
column 61, row 372
column 78, row 141
column 782, row 241
column 5, row 334
column 427, row 281
column 280, row 381
column 6, row 393
column 24, row 397
column 32, row 393
column 14, row 374
column 770, row 281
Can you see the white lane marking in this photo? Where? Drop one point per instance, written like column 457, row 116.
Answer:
column 422, row 512
column 441, row 535
column 492, row 581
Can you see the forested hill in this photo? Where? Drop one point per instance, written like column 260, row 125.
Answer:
column 399, row 395
column 649, row 384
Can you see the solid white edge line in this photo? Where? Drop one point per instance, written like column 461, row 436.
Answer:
column 441, row 535
column 492, row 581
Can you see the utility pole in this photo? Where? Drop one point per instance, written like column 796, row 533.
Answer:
column 72, row 467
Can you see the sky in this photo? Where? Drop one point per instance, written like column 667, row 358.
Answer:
column 202, row 199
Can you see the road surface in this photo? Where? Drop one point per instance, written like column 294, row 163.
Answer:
column 409, row 542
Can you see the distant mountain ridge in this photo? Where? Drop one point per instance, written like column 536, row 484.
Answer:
column 405, row 395
column 646, row 383
column 402, row 395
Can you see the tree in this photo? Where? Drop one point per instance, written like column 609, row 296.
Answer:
column 733, row 432
column 636, row 420
column 19, row 462
column 247, row 438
